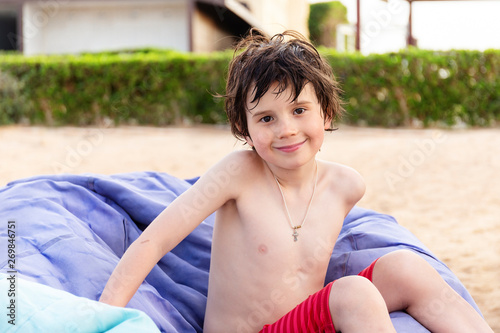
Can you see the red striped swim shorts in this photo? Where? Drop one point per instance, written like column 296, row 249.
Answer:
column 313, row 314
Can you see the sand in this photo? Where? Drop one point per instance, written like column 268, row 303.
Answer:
column 443, row 185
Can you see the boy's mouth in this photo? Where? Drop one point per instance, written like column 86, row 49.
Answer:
column 291, row 148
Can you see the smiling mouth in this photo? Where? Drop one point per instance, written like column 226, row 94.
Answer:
column 291, row 148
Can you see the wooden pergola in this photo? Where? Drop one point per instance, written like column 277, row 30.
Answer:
column 410, row 40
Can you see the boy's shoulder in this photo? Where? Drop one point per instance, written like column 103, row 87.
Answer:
column 338, row 169
column 244, row 160
column 344, row 179
column 226, row 179
column 239, row 165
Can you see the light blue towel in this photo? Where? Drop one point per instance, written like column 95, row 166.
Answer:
column 40, row 308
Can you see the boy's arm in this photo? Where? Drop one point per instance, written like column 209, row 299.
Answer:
column 179, row 219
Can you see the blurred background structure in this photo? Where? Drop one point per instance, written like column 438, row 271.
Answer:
column 67, row 26
column 391, row 25
column 75, row 26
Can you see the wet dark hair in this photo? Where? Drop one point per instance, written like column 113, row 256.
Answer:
column 287, row 59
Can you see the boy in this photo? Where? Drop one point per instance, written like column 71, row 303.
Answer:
column 279, row 213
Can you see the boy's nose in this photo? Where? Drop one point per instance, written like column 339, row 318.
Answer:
column 287, row 127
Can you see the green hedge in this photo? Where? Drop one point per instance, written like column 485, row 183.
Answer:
column 146, row 87
column 421, row 87
column 166, row 87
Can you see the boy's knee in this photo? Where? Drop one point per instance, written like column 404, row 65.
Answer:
column 356, row 305
column 352, row 282
column 351, row 293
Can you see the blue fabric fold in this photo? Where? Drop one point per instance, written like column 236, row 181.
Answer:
column 71, row 231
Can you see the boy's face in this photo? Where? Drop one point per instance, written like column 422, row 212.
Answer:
column 284, row 132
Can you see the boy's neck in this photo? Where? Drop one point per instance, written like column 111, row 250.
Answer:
column 295, row 178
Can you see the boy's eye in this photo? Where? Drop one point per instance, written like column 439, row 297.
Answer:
column 266, row 119
column 299, row 111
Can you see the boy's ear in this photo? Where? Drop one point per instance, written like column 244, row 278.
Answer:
column 249, row 141
column 328, row 123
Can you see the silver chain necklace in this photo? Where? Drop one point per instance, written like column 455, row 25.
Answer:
column 295, row 227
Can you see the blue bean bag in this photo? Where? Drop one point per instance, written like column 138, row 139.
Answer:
column 71, row 230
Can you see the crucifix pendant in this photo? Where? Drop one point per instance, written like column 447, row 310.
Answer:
column 295, row 234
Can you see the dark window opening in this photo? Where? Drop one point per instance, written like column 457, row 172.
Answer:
column 225, row 19
column 8, row 31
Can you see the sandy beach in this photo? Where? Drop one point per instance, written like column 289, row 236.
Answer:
column 443, row 185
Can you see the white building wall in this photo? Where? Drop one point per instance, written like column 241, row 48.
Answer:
column 384, row 24
column 73, row 27
column 346, row 38
column 278, row 15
